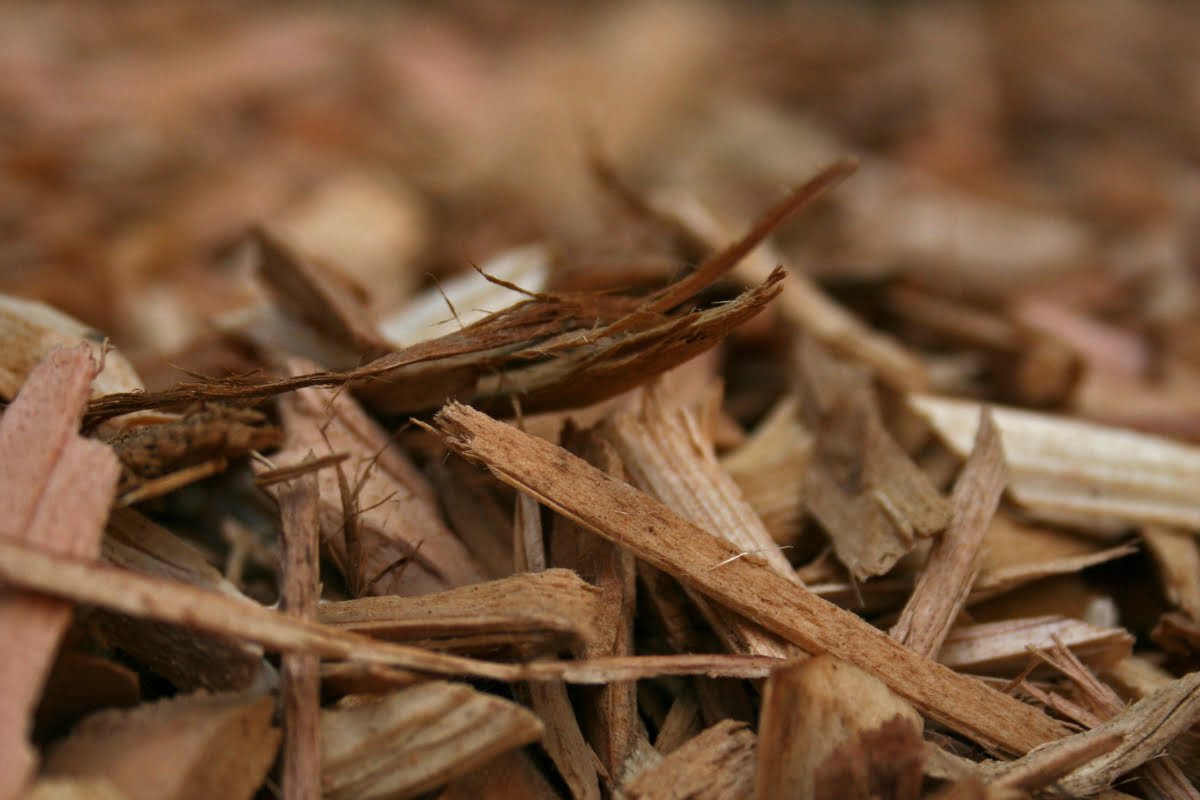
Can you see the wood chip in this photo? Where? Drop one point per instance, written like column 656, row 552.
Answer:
column 867, row 494
column 654, row 533
column 954, row 560
column 411, row 741
column 55, row 492
column 191, row 746
column 1003, row 648
column 717, row 764
column 1064, row 466
column 668, row 457
column 300, row 688
column 829, row 729
column 550, row 609
column 1177, row 556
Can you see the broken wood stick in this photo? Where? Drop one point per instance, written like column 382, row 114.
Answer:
column 644, row 526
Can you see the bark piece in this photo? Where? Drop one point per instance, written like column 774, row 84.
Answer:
column 416, row 739
column 189, row 659
column 377, row 510
column 1061, row 466
column 551, row 351
column 191, row 746
column 1003, row 648
column 716, row 765
column 623, row 515
column 552, row 609
column 300, row 688
column 954, row 560
column 216, row 432
column 55, row 492
column 829, row 729
column 871, row 499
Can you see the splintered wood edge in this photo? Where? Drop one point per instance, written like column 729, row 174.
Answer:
column 635, row 521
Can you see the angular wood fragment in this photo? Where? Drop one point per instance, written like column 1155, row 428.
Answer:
column 1063, row 466
column 621, row 514
column 1016, row 554
column 416, row 739
column 680, row 725
column 1177, row 556
column 300, row 688
column 954, row 560
column 377, row 510
column 830, row 729
column 551, row 609
column 55, row 492
column 190, row 659
column 29, row 330
column 1003, row 648
column 191, row 746
column 668, row 457
column 716, row 765
column 871, row 499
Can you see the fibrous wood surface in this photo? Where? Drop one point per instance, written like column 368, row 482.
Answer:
column 627, row 400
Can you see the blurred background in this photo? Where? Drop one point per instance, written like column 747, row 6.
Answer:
column 1009, row 151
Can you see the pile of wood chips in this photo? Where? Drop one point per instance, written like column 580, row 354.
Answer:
column 885, row 486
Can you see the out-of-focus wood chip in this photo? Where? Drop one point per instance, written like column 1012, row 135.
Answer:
column 191, row 746
column 55, row 492
column 716, row 765
column 829, row 729
column 1063, row 466
column 413, row 740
